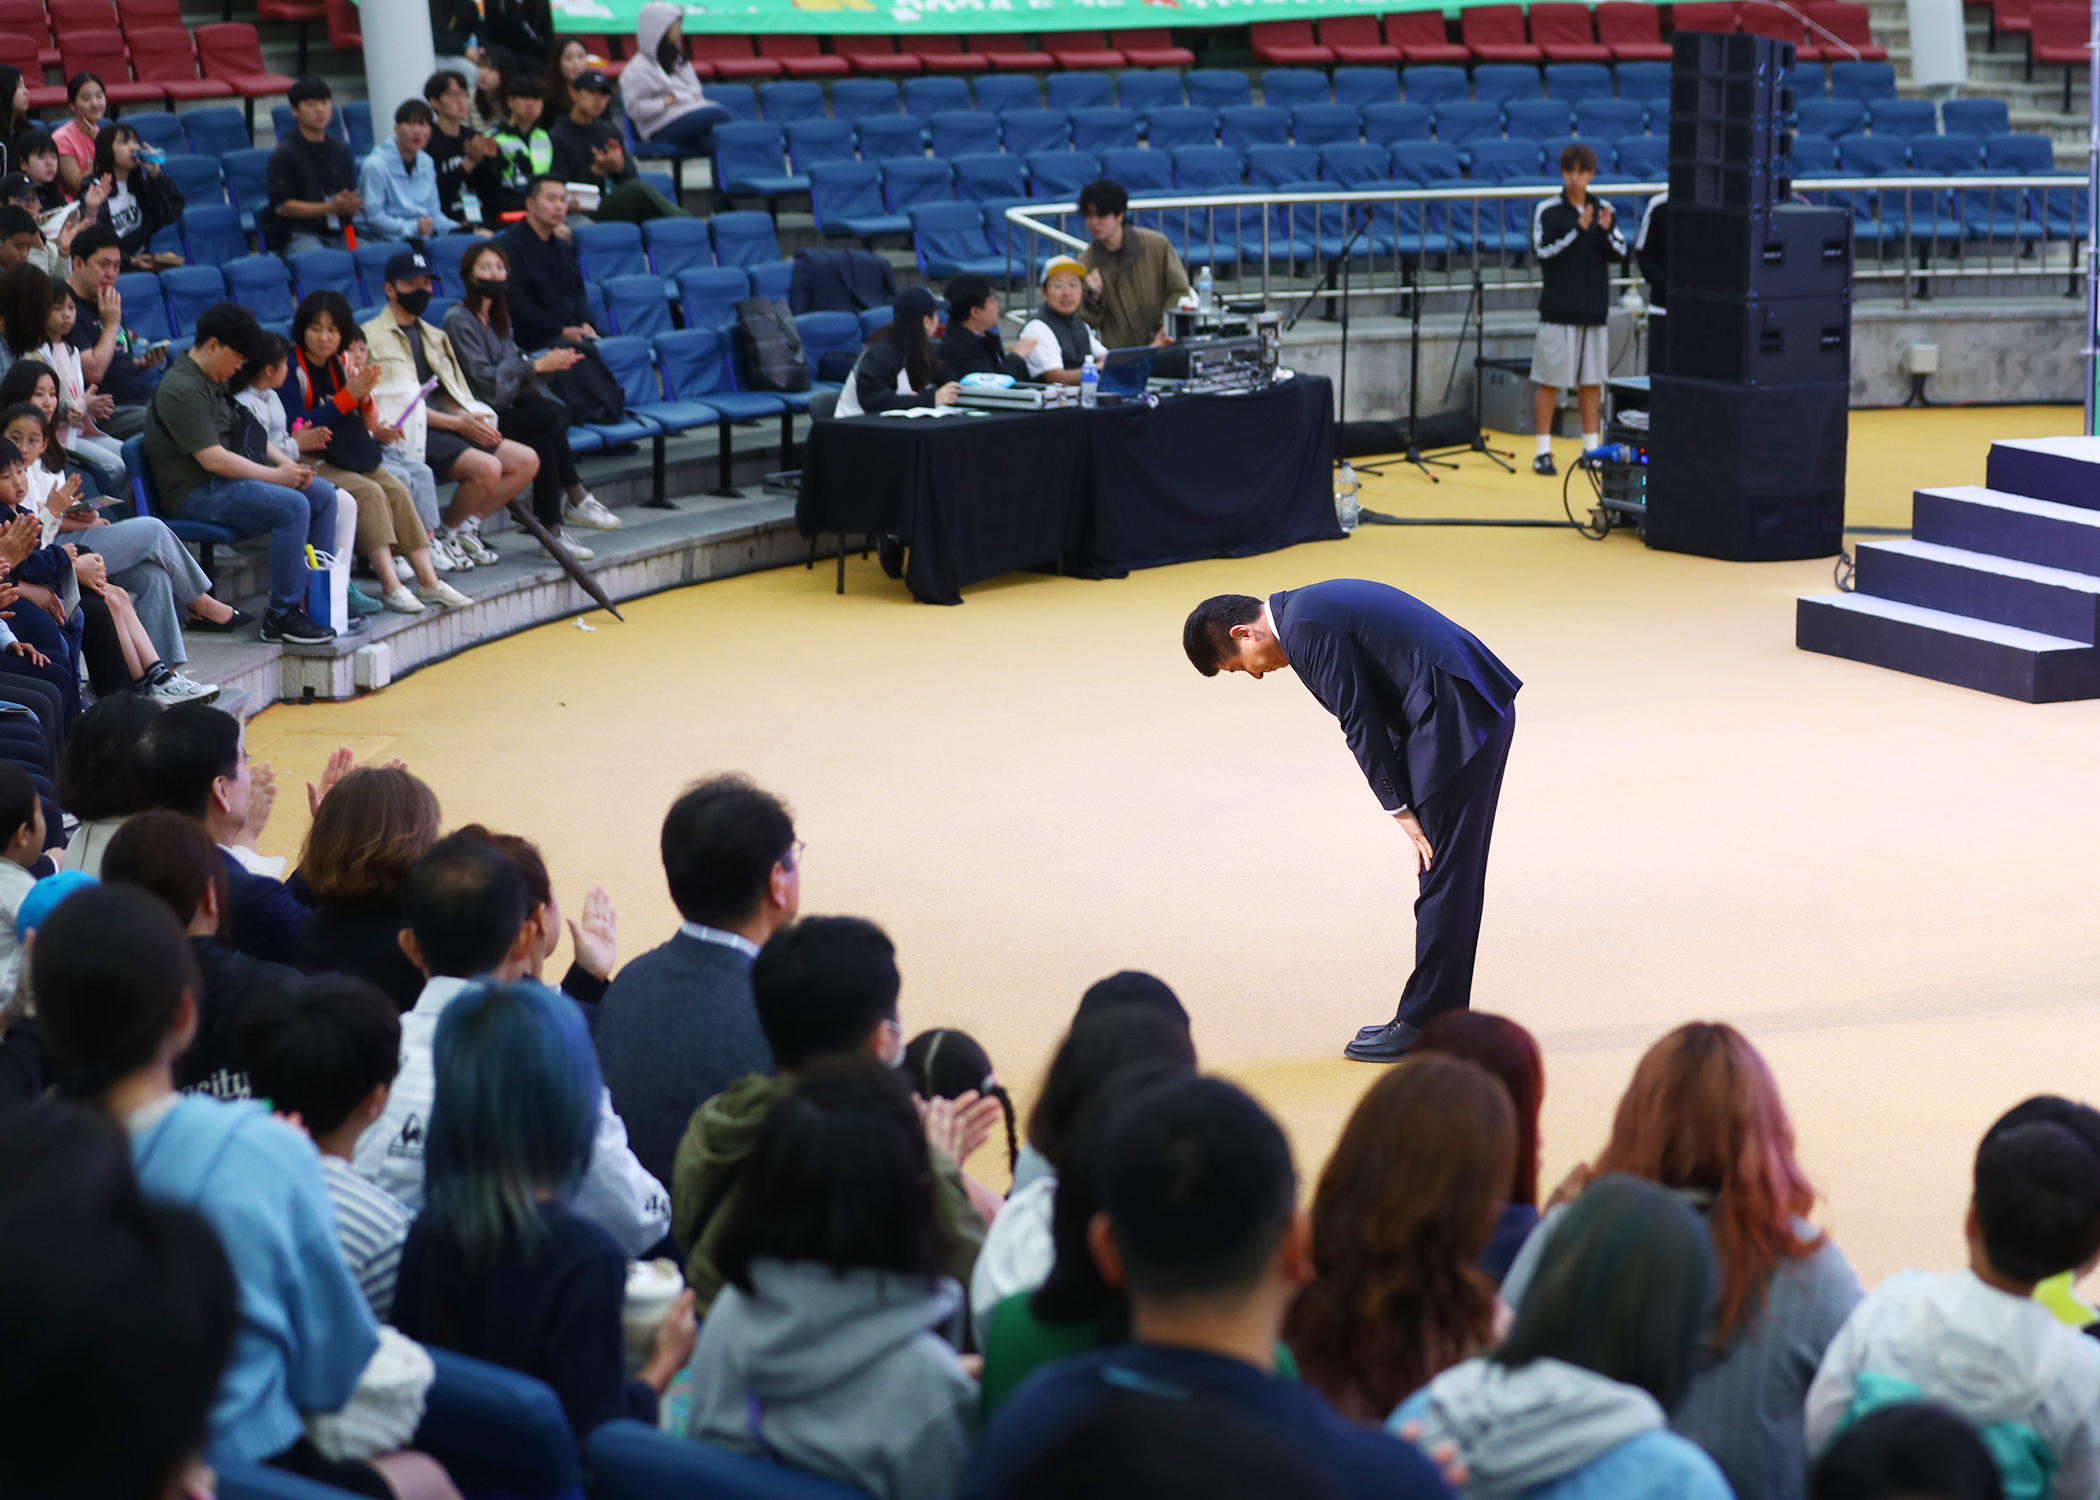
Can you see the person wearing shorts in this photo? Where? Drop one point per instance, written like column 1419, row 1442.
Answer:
column 1576, row 239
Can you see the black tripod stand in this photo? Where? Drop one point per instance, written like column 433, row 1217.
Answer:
column 1476, row 314
column 1414, row 454
column 1336, row 267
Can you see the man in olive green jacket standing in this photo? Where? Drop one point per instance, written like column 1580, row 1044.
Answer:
column 1133, row 275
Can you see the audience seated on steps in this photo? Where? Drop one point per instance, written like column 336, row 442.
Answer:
column 678, row 1025
column 325, row 1051
column 112, row 357
column 313, row 186
column 117, row 993
column 823, row 987
column 1704, row 1120
column 1511, row 1056
column 588, row 148
column 174, row 858
column 370, row 826
column 1404, row 1210
column 36, row 318
column 502, row 1265
column 120, row 1309
column 524, row 148
column 398, row 181
column 1975, row 1341
column 138, row 200
column 21, row 846
column 1574, row 1401
column 824, row 1349
column 100, row 780
column 1199, row 1222
column 467, row 161
column 470, row 924
column 659, row 89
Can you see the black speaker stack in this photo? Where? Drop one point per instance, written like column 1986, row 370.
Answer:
column 1748, row 411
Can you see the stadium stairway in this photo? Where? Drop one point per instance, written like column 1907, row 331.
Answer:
column 1997, row 588
column 2036, row 105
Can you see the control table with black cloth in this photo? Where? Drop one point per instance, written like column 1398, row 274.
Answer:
column 1091, row 493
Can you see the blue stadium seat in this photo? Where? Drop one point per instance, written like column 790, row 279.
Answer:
column 1081, row 90
column 710, row 294
column 1318, row 230
column 1061, row 174
column 1437, row 84
column 627, row 356
column 911, row 180
column 160, row 128
column 989, row 174
column 1610, row 119
column 1287, row 88
column 928, row 96
column 996, row 93
column 1646, row 158
column 282, row 122
column 1181, row 125
column 827, row 333
column 1952, row 156
column 1498, row 161
column 1902, row 117
column 2013, row 155
column 1577, row 82
column 812, row 141
column 963, row 132
column 886, row 137
column 1945, row 155
column 676, row 245
column 211, row 234
column 145, row 499
column 1813, row 153
column 1217, row 88
column 1389, row 122
column 638, row 305
column 633, row 363
column 197, row 177
column 610, row 249
column 1245, row 125
column 1363, row 168
column 1209, row 169
column 1325, row 124
column 1361, row 86
column 1139, row 170
column 371, row 257
column 497, row 1431
column 1551, row 147
column 320, row 270
column 694, row 364
column 1538, row 118
column 744, row 239
column 1808, row 81
column 1464, row 121
column 1103, row 127
column 1501, row 226
column 216, row 131
column 752, row 159
column 247, row 181
column 631, row 1461
column 263, row 285
column 1873, row 156
column 190, row 290
column 871, row 319
column 1273, row 166
column 1427, row 164
column 1145, row 90
column 740, row 99
column 949, row 239
column 1646, row 83
column 856, row 98
column 1977, row 117
column 846, row 198
column 1031, row 130
column 1830, row 117
column 357, row 119
column 1504, row 83
column 1862, row 80
column 445, row 254
column 792, row 99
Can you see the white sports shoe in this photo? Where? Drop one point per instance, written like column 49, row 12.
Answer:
column 401, row 601
column 569, row 544
column 478, row 552
column 443, row 555
column 443, row 593
column 176, row 688
column 589, row 512
column 402, row 570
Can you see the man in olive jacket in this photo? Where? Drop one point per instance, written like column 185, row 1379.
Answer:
column 1133, row 275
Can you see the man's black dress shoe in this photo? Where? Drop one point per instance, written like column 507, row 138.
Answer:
column 1382, row 1044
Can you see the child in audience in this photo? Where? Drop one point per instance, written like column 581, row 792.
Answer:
column 823, row 1350
column 1913, row 1451
column 1403, row 1212
column 1575, row 1401
column 369, row 831
column 22, row 829
column 948, row 1064
column 326, row 1051
column 1703, row 1119
column 1511, row 1055
column 1975, row 1340
column 401, row 453
column 595, row 943
column 498, row 1266
column 1200, row 1223
column 1019, row 1249
column 98, row 774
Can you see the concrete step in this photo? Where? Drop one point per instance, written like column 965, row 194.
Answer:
column 2063, row 469
column 2004, row 590
column 2012, row 663
column 2041, row 532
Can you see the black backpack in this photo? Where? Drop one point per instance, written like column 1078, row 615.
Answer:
column 770, row 346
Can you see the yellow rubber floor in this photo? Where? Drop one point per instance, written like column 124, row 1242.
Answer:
column 1889, row 883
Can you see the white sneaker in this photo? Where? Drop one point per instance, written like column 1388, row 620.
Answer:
column 478, row 552
column 444, row 557
column 570, row 545
column 588, row 512
column 401, row 601
column 176, row 688
column 403, row 571
column 442, row 593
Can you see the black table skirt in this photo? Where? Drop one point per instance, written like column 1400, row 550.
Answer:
column 1092, row 493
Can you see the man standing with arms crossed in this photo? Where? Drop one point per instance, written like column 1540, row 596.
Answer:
column 1428, row 712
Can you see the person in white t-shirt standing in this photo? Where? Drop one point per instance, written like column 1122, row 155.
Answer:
column 1056, row 341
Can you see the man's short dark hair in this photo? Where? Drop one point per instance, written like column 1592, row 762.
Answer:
column 822, row 985
column 35, row 142
column 1197, row 1183
column 1576, row 157
column 440, row 83
column 540, row 180
column 94, row 237
column 109, row 970
column 1906, row 1452
column 1207, row 633
column 307, row 87
column 172, row 856
column 465, row 903
column 2037, row 1189
column 526, row 86
column 413, row 111
column 1104, row 199
column 18, row 801
column 15, row 219
column 1131, row 987
column 185, row 750
column 720, row 842
column 231, row 324
column 319, row 1048
column 966, row 293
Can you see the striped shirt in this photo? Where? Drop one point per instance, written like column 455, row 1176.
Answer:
column 371, row 1225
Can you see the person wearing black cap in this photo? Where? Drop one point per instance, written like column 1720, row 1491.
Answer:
column 588, row 148
column 899, row 366
column 312, row 180
column 20, row 239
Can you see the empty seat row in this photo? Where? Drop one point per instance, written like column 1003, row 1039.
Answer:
column 735, row 56
column 1900, row 117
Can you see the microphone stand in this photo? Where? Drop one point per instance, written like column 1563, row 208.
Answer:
column 1476, row 314
column 1414, row 454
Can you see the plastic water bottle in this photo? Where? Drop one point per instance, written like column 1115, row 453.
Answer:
column 1347, row 510
column 1615, row 453
column 1089, row 384
column 1204, row 290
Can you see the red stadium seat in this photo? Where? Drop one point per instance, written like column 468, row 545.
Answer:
column 1356, row 40
column 1849, row 23
column 1632, row 30
column 946, row 54
column 102, row 53
column 1704, row 15
column 135, row 14
column 1563, row 31
column 83, row 15
column 299, row 13
column 1010, row 53
column 165, row 55
column 874, row 54
column 731, row 55
column 1421, row 38
column 2015, row 16
column 19, row 51
column 802, row 57
column 229, row 50
column 344, row 32
column 1152, row 47
column 1080, row 50
column 1764, row 18
column 2059, row 38
column 1289, row 44
column 27, row 18
column 1495, row 33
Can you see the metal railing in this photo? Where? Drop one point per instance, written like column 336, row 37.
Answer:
column 1913, row 230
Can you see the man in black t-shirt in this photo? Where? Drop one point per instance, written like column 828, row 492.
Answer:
column 111, row 356
column 313, row 181
column 466, row 160
column 589, row 148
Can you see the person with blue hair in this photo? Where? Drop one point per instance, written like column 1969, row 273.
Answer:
column 500, row 1266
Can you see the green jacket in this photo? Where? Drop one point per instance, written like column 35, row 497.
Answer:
column 720, row 1139
column 1138, row 284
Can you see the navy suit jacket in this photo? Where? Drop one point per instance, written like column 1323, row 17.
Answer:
column 1416, row 694
column 263, row 917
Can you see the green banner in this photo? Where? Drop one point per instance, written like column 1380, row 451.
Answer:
column 943, row 17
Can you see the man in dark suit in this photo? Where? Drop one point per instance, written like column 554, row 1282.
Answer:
column 1428, row 712
column 679, row 1025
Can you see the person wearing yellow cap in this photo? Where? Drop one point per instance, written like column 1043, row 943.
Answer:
column 1056, row 341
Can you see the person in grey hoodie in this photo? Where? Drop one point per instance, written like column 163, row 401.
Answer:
column 824, row 1351
column 1575, row 1403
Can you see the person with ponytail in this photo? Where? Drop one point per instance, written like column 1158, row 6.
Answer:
column 949, row 1064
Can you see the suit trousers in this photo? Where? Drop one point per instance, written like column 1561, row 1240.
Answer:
column 1458, row 820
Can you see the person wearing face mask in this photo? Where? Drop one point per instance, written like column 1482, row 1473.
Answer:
column 479, row 326
column 399, row 181
column 1057, row 341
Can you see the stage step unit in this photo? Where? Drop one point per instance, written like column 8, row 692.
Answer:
column 1997, row 589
